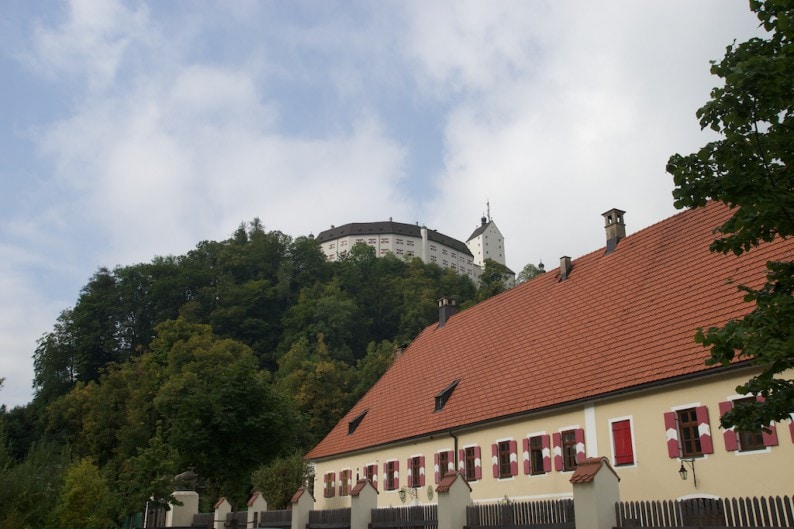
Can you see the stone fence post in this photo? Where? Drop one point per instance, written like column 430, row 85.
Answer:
column 256, row 504
column 302, row 502
column 454, row 494
column 222, row 508
column 595, row 492
column 363, row 498
column 182, row 515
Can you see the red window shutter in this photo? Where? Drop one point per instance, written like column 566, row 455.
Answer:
column 421, row 471
column 331, row 483
column 341, row 477
column 477, row 463
column 513, row 458
column 580, row 452
column 770, row 438
column 704, row 430
column 546, row 444
column 621, row 438
column 409, row 466
column 729, row 434
column 671, row 432
column 374, row 476
column 451, row 459
column 557, row 438
column 462, row 460
column 495, row 459
column 436, row 464
column 396, row 475
column 525, row 447
column 385, row 476
column 791, row 429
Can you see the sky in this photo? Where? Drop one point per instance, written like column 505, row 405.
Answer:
column 135, row 129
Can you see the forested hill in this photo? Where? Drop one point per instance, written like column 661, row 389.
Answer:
column 220, row 360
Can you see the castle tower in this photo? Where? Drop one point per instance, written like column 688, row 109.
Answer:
column 487, row 242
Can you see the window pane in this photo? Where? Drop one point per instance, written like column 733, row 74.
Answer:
column 569, row 450
column 471, row 472
column 536, row 455
column 504, row 459
column 688, row 430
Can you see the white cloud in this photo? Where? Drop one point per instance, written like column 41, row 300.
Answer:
column 565, row 111
column 92, row 41
column 188, row 157
column 471, row 46
column 26, row 312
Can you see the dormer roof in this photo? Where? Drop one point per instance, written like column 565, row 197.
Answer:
column 618, row 322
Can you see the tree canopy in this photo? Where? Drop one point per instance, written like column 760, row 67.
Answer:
column 221, row 360
column 530, row 271
column 749, row 168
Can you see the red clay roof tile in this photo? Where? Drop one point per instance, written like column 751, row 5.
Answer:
column 360, row 484
column 298, row 494
column 449, row 479
column 619, row 321
column 586, row 471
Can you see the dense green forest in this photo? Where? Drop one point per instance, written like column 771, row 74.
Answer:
column 238, row 355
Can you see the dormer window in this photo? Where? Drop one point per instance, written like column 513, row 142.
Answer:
column 352, row 425
column 444, row 395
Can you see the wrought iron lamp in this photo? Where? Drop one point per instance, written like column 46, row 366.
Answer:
column 683, row 472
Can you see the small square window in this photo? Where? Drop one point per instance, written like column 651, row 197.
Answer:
column 353, row 424
column 443, row 396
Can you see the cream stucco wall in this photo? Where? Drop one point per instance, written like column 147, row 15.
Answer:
column 653, row 475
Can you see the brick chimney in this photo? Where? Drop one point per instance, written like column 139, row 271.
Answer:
column 565, row 267
column 614, row 227
column 446, row 309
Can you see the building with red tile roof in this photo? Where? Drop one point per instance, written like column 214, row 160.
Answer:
column 596, row 358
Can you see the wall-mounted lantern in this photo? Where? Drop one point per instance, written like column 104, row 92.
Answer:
column 683, row 472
